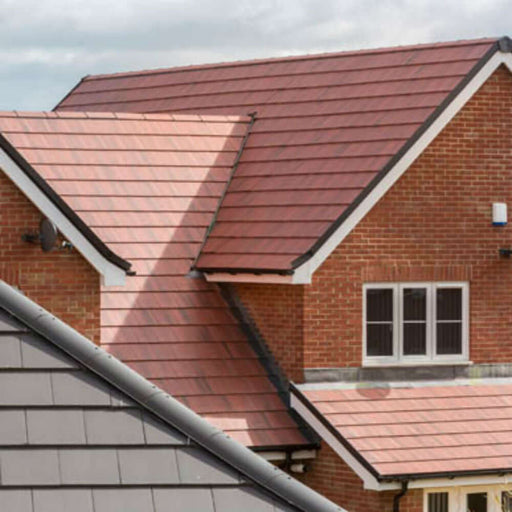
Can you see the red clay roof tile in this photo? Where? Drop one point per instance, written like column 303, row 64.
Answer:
column 423, row 430
column 326, row 124
column 148, row 187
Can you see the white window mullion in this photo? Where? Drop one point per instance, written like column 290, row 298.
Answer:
column 401, row 326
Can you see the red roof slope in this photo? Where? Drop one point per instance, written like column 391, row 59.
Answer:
column 148, row 185
column 327, row 124
column 423, row 430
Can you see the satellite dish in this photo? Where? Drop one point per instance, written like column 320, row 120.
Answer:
column 47, row 235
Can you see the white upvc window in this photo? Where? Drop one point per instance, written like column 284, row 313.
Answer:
column 417, row 323
column 494, row 498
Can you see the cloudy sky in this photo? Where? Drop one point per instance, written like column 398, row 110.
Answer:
column 47, row 46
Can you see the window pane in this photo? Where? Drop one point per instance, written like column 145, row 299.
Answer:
column 415, row 340
column 379, row 305
column 506, row 501
column 449, row 338
column 449, row 304
column 477, row 502
column 438, row 502
column 415, row 303
column 379, row 339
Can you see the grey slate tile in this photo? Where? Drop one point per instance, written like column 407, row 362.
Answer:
column 24, row 388
column 29, row 467
column 79, row 388
column 125, row 500
column 160, row 433
column 191, row 500
column 38, row 353
column 10, row 353
column 117, row 426
column 12, row 427
column 57, row 500
column 196, row 466
column 241, row 498
column 16, row 500
column 10, row 324
column 89, row 467
column 148, row 466
column 56, row 426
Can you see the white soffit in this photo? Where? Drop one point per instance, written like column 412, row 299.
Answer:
column 111, row 274
column 303, row 274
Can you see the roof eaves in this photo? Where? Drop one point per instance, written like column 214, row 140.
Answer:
column 62, row 206
column 401, row 477
column 161, row 404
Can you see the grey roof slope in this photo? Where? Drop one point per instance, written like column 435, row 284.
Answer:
column 70, row 440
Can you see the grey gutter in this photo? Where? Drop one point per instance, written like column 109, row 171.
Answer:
column 161, row 404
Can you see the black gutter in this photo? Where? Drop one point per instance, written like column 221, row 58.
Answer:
column 39, row 181
column 399, row 496
column 446, row 474
column 252, row 115
column 503, row 44
column 333, row 431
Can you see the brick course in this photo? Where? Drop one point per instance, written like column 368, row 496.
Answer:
column 61, row 281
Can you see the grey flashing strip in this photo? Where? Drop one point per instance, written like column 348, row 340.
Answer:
column 161, row 404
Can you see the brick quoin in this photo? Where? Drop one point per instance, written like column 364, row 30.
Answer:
column 61, row 281
column 434, row 224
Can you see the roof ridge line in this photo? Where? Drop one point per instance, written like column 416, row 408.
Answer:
column 290, row 58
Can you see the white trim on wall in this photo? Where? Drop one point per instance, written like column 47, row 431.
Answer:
column 111, row 274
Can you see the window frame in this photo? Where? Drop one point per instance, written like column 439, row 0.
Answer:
column 457, row 496
column 431, row 356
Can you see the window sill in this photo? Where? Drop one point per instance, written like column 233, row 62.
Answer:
column 402, row 364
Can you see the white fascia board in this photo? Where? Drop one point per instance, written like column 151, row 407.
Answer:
column 111, row 274
column 303, row 274
column 369, row 480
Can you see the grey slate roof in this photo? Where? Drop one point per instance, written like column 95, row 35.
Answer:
column 69, row 440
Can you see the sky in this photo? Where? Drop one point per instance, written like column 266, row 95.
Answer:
column 47, row 46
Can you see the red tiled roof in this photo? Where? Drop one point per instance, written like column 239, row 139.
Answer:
column 148, row 185
column 423, row 430
column 327, row 124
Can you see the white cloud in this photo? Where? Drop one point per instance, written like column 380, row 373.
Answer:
column 46, row 47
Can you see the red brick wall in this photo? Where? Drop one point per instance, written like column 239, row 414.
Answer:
column 434, row 224
column 277, row 311
column 60, row 281
column 330, row 476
